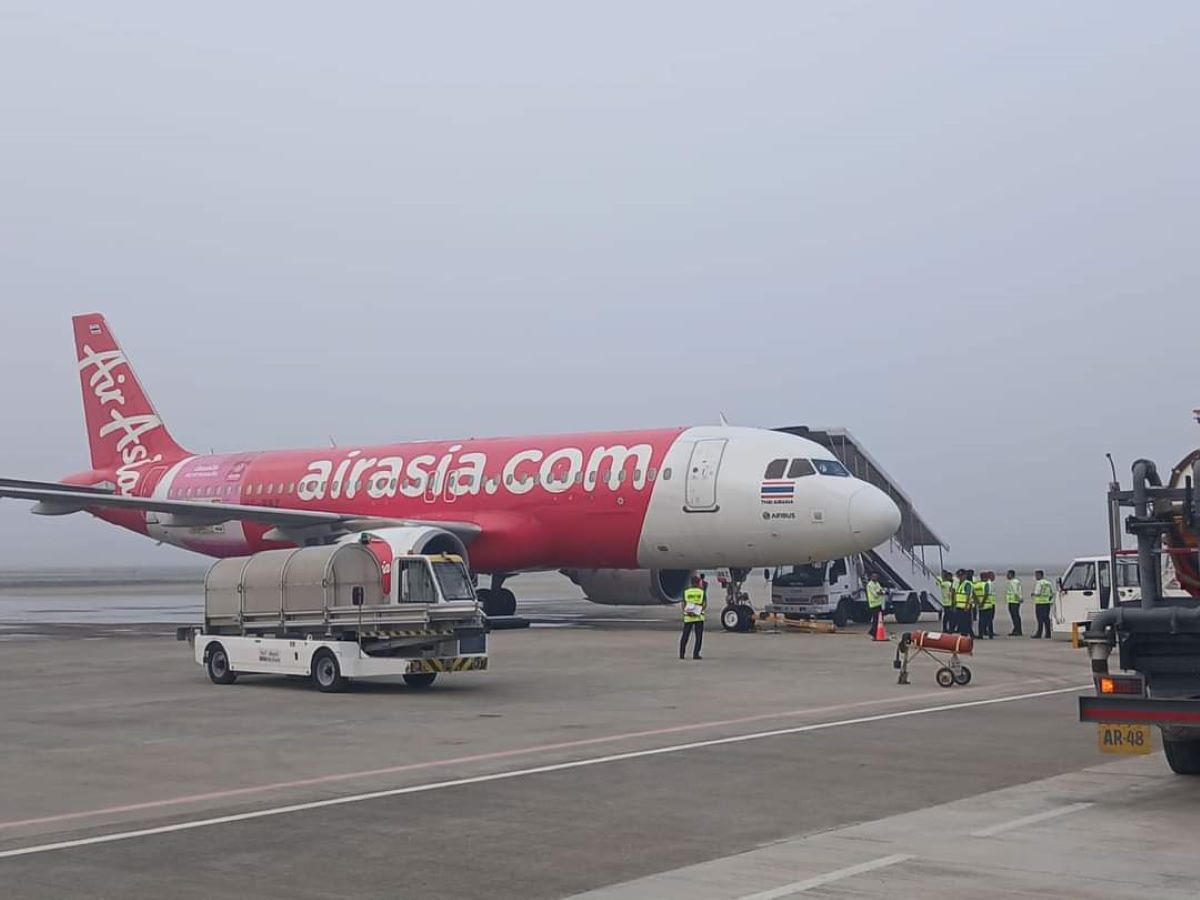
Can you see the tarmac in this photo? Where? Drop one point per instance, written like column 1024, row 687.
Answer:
column 589, row 761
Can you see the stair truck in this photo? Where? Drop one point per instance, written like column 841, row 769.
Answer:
column 339, row 612
column 1157, row 642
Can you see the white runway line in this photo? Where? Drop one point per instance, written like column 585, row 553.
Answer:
column 1029, row 820
column 799, row 887
column 521, row 773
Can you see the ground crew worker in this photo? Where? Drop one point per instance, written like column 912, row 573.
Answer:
column 962, row 603
column 875, row 604
column 985, row 599
column 695, row 606
column 1043, row 596
column 947, row 583
column 1014, row 595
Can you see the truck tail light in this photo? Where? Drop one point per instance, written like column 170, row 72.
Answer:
column 1127, row 685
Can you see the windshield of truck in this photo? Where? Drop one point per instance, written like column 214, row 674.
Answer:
column 807, row 575
column 453, row 579
column 416, row 581
column 1080, row 577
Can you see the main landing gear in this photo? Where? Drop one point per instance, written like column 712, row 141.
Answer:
column 738, row 614
column 498, row 600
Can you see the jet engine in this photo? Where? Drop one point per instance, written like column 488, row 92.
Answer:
column 417, row 539
column 631, row 587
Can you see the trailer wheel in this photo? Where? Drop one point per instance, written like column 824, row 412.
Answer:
column 731, row 619
column 964, row 676
column 326, row 673
column 841, row 615
column 219, row 670
column 420, row 679
column 945, row 677
column 1183, row 756
column 909, row 611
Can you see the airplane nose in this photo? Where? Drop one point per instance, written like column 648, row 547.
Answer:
column 873, row 514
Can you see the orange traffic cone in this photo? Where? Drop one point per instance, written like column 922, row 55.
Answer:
column 880, row 634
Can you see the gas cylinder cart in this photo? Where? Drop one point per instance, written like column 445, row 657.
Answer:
column 943, row 649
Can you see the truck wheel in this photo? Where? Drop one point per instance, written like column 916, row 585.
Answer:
column 945, row 677
column 420, row 679
column 731, row 619
column 841, row 615
column 1182, row 756
column 964, row 676
column 326, row 673
column 219, row 670
column 909, row 611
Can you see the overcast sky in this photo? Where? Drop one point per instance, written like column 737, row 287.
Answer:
column 967, row 232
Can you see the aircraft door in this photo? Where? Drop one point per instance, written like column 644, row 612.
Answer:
column 700, row 494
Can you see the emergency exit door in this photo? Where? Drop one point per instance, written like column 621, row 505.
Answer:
column 700, row 494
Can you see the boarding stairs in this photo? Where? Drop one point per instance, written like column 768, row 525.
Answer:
column 910, row 560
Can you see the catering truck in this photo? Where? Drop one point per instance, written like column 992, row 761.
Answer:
column 1154, row 677
column 339, row 612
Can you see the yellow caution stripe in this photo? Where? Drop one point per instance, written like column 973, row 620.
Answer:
column 449, row 664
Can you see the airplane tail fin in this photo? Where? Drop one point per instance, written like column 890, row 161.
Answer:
column 125, row 433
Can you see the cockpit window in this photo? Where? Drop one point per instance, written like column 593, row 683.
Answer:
column 776, row 468
column 799, row 468
column 831, row 467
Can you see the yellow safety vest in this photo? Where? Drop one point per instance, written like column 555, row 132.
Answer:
column 694, row 596
column 1043, row 592
column 988, row 600
column 1013, row 591
column 947, row 587
column 874, row 594
column 962, row 594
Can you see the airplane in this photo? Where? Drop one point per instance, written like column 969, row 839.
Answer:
column 629, row 516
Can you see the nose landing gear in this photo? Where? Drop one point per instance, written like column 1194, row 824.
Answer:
column 738, row 614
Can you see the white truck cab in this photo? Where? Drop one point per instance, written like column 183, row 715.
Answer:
column 832, row 589
column 1086, row 587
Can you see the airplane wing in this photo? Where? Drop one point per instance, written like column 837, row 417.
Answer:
column 55, row 499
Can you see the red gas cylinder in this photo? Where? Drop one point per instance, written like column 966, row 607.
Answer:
column 950, row 643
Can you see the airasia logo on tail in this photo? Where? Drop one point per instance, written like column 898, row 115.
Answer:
column 106, row 384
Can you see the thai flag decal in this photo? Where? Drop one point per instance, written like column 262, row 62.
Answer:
column 778, row 490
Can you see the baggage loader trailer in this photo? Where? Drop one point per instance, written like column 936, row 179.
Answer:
column 339, row 612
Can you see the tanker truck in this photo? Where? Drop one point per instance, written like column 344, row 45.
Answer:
column 1154, row 677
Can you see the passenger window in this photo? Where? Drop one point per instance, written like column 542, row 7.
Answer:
column 666, row 475
column 776, row 468
column 837, row 569
column 650, row 473
column 799, row 468
column 271, row 487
